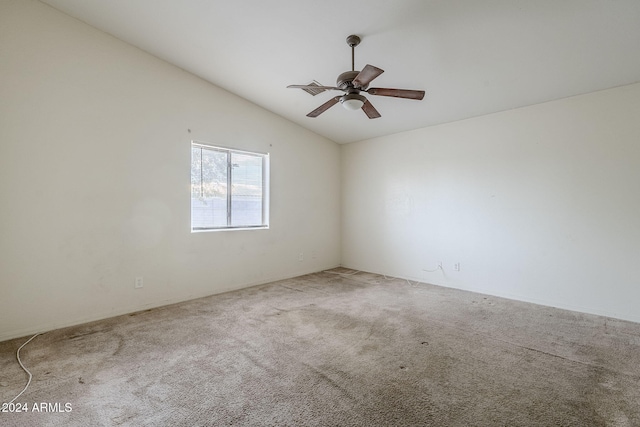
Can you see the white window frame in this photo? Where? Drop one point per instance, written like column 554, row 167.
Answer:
column 265, row 188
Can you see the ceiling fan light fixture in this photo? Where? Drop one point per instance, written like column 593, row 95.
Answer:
column 352, row 101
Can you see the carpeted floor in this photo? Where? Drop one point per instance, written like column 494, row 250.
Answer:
column 331, row 349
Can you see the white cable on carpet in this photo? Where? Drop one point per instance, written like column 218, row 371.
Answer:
column 25, row 369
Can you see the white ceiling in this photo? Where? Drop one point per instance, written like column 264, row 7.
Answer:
column 472, row 57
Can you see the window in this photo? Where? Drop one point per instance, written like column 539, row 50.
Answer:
column 229, row 188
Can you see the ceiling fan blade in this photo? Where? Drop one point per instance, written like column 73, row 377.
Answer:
column 367, row 75
column 312, row 87
column 324, row 107
column 397, row 93
column 370, row 110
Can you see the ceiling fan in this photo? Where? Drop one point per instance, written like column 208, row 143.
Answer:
column 352, row 83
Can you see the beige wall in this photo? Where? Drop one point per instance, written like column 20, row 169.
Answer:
column 539, row 204
column 94, row 179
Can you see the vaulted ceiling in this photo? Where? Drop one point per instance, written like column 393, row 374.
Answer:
column 472, row 57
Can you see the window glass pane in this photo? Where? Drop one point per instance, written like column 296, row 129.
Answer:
column 246, row 189
column 196, row 163
column 208, row 188
column 228, row 188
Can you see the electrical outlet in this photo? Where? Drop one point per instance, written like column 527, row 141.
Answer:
column 456, row 266
column 301, row 256
column 139, row 283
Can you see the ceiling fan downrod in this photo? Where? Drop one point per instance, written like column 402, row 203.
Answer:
column 353, row 41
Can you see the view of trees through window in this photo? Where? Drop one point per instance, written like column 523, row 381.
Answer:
column 227, row 188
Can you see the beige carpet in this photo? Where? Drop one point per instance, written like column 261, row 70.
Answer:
column 332, row 350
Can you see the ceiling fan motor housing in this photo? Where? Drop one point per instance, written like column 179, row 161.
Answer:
column 345, row 80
